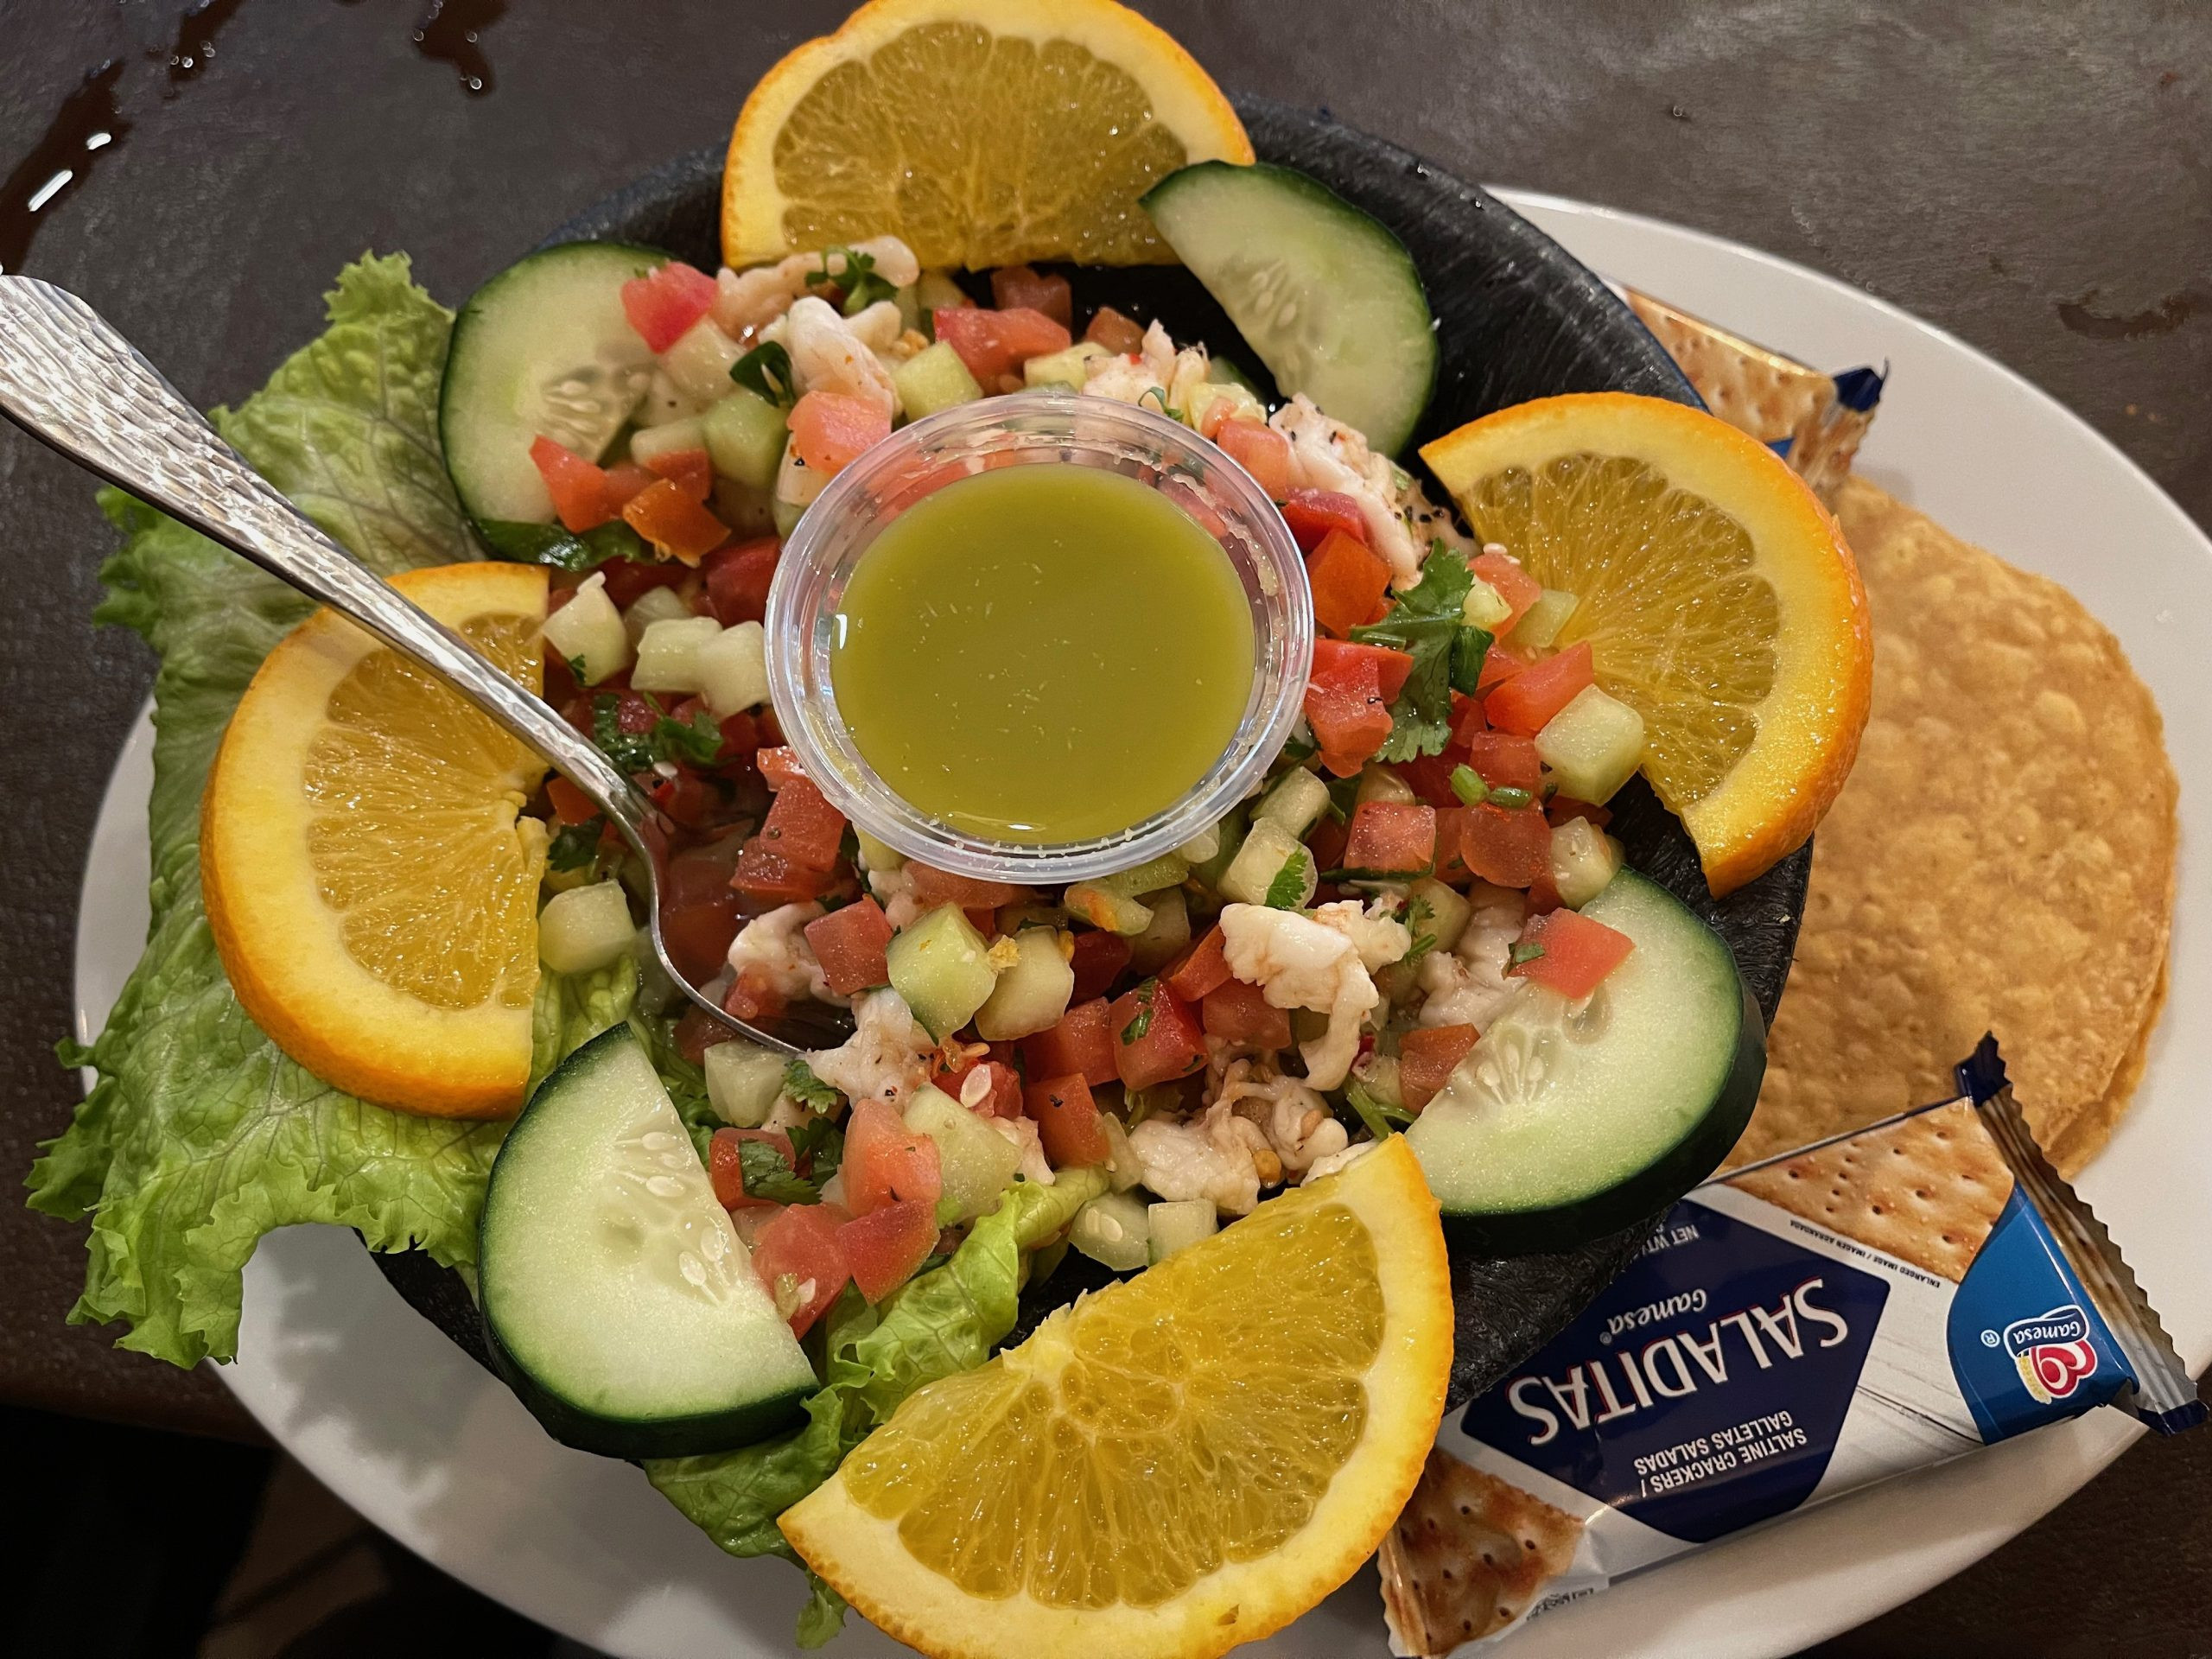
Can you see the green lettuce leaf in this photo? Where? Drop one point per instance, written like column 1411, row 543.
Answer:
column 200, row 1135
column 946, row 1320
column 573, row 1009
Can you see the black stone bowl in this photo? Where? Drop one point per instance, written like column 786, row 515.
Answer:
column 1517, row 318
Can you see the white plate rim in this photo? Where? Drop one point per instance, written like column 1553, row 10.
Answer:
column 382, row 1409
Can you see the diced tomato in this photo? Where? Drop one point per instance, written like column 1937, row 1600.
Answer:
column 754, row 995
column 1467, row 718
column 1328, row 840
column 697, row 1030
column 993, row 343
column 1098, row 957
column 1507, row 846
column 1206, row 967
column 1156, row 1036
column 624, row 480
column 1117, row 333
column 665, row 515
column 1499, row 665
column 1345, row 703
column 933, row 886
column 1083, row 1042
column 688, row 470
column 1238, row 1013
column 741, row 737
column 570, row 805
column 1426, row 1058
column 698, row 930
column 883, row 1248
column 1451, row 867
column 801, row 1242
column 1561, row 808
column 1067, row 1122
column 1015, row 288
column 830, row 430
column 885, row 1161
column 1543, row 892
column 1515, row 585
column 738, row 578
column 1336, row 658
column 1348, row 583
column 578, row 487
column 1578, row 952
column 998, row 1095
column 779, row 766
column 850, row 943
column 663, row 304
column 687, row 798
column 766, row 874
column 1505, row 760
column 803, row 826
column 1429, row 777
column 723, row 1165
column 630, row 580
column 1312, row 514
column 1528, row 700
column 1261, row 451
column 1391, row 838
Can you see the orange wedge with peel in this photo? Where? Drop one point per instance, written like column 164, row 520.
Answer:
column 981, row 132
column 1179, row 1463
column 1719, row 597
column 370, row 880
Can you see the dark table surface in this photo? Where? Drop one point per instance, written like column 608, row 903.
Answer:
column 2037, row 179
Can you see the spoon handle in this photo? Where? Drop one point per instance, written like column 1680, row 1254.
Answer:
column 69, row 379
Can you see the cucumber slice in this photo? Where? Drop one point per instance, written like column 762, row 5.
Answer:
column 618, row 1301
column 1328, row 298
column 542, row 350
column 1562, row 1126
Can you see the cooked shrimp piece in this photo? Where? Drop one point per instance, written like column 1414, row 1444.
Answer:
column 885, row 1058
column 828, row 355
column 753, row 299
column 775, row 943
column 1327, row 454
column 1301, row 962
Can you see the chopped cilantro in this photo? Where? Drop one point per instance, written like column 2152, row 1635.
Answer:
column 1378, row 1114
column 561, row 548
column 1287, row 890
column 1468, row 785
column 1343, row 796
column 764, row 1174
column 1527, row 951
column 766, row 369
column 699, row 741
column 576, row 669
column 634, row 751
column 576, row 845
column 861, row 284
column 1425, row 623
column 819, row 1144
column 1419, row 914
column 1142, row 1022
column 803, row 1086
column 1510, row 798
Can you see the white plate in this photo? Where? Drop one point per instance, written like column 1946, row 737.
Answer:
column 395, row 1420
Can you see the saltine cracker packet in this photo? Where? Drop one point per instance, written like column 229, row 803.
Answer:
column 1790, row 1331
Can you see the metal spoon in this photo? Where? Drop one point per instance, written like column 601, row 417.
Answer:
column 71, row 380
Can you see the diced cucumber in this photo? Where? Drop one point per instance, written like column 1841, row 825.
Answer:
column 1379, row 783
column 1594, row 746
column 796, row 487
column 585, row 928
column 1484, row 608
column 1243, row 403
column 1069, row 368
column 743, row 1080
column 941, row 970
column 1106, row 909
column 1567, row 1123
column 734, row 670
column 1175, row 1223
column 1538, row 628
column 1584, row 860
column 1123, row 1170
column 1327, row 298
column 543, row 349
column 1114, row 1230
column 1033, row 994
column 588, row 633
column 934, row 379
column 700, row 362
column 668, row 654
column 1154, row 874
column 1165, row 936
column 877, row 854
column 1201, row 846
column 649, row 443
column 618, row 1301
column 664, row 402
column 654, row 605
column 1228, row 835
column 938, row 290
column 744, row 434
column 977, row 1163
column 1447, row 912
column 1296, row 801
column 1265, row 853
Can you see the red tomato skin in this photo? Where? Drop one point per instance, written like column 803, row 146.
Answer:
column 664, row 304
column 738, row 578
column 883, row 1248
column 885, row 1162
column 1202, row 968
column 803, row 826
column 1507, row 847
column 1526, row 703
column 1451, row 868
column 1338, row 661
column 830, row 430
column 1348, row 583
column 1117, row 333
column 1578, row 952
column 1099, row 958
column 1238, row 1013
column 1312, row 514
column 933, row 886
column 1171, row 1044
column 630, row 580
column 570, row 805
column 1082, row 1043
column 1505, row 760
column 850, row 943
column 1391, row 837
column 1014, row 287
column 754, row 997
column 688, row 469
column 1467, row 718
column 779, row 766
column 668, row 516
column 1426, row 1058
column 723, row 1167
column 1515, row 585
column 1067, row 1122
column 802, row 1240
column 1260, row 450
column 993, row 343
column 578, row 486
column 1346, row 709
column 764, row 874
column 1499, row 665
